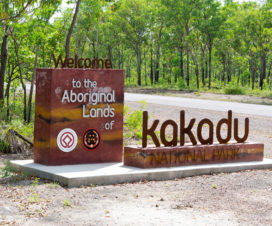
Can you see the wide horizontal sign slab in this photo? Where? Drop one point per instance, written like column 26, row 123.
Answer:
column 154, row 157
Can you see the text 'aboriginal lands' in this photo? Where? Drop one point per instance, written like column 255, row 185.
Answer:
column 95, row 103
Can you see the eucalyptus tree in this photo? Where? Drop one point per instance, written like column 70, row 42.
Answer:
column 69, row 34
column 132, row 17
column 12, row 13
column 264, row 32
column 210, row 19
column 224, row 41
column 28, row 36
column 194, row 44
column 175, row 27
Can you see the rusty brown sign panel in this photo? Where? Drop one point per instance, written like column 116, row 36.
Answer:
column 154, row 157
column 78, row 116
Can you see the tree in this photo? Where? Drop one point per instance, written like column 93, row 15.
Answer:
column 11, row 14
column 132, row 19
column 69, row 34
column 209, row 21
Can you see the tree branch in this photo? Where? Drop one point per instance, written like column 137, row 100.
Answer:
column 19, row 13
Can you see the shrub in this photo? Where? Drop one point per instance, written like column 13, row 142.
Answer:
column 134, row 121
column 4, row 146
column 8, row 170
column 234, row 90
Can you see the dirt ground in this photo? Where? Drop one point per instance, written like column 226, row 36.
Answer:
column 243, row 198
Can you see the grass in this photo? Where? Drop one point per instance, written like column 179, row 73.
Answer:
column 53, row 185
column 35, row 182
column 8, row 170
column 4, row 146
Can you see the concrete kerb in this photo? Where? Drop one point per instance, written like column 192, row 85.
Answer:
column 117, row 173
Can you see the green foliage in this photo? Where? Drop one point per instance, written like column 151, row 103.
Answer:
column 53, row 185
column 152, row 40
column 134, row 121
column 4, row 146
column 34, row 198
column 8, row 170
column 234, row 90
column 18, row 125
column 35, row 182
column 66, row 203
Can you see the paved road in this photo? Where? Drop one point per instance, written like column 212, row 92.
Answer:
column 252, row 109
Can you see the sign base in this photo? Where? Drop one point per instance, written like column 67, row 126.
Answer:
column 155, row 157
column 116, row 173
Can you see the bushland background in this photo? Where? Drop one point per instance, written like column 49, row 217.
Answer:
column 186, row 45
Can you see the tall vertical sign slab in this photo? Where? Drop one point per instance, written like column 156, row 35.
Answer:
column 78, row 116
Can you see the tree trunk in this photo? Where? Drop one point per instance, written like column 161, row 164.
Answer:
column 229, row 69
column 210, row 62
column 97, row 43
column 170, row 77
column 188, row 65
column 163, row 69
column 7, row 96
column 21, row 74
column 7, row 92
column 239, row 75
column 263, row 69
column 224, row 70
column 202, row 66
column 4, row 55
column 31, row 86
column 268, row 75
column 188, row 56
column 194, row 57
column 206, row 67
column 94, row 50
column 109, row 52
column 43, row 53
column 151, row 64
column 67, row 44
column 119, row 56
column 181, row 63
column 145, row 67
column 82, row 48
column 253, row 71
column 197, row 75
column 139, row 62
column 128, row 69
column 157, row 65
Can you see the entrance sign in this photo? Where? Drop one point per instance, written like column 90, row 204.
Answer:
column 205, row 151
column 78, row 116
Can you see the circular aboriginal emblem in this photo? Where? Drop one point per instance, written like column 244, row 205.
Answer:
column 67, row 140
column 91, row 139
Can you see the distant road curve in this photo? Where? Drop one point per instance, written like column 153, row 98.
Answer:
column 251, row 109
